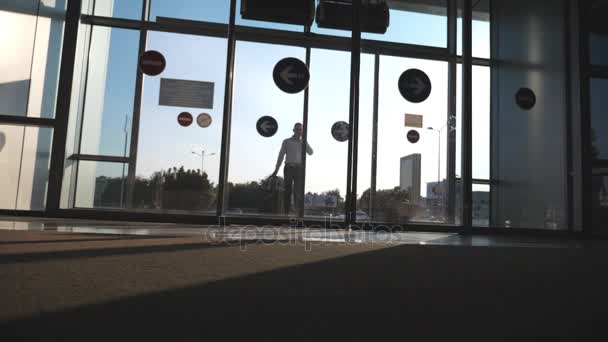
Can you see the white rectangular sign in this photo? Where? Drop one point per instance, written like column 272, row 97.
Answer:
column 413, row 120
column 183, row 93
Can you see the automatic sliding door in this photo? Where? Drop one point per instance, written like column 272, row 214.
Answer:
column 412, row 155
column 252, row 190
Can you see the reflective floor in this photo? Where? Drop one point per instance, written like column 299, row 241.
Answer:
column 282, row 234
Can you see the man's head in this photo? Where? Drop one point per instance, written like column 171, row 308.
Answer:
column 298, row 129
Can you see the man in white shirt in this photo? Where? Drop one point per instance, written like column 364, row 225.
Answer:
column 293, row 172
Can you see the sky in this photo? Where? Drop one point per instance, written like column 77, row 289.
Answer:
column 163, row 143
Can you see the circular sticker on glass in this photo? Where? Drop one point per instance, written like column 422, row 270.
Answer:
column 525, row 98
column 413, row 136
column 184, row 119
column 152, row 63
column 204, row 120
column 291, row 75
column 415, row 85
column 267, row 126
column 340, row 131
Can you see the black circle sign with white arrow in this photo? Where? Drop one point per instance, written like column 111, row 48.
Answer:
column 340, row 131
column 291, row 75
column 267, row 126
column 415, row 85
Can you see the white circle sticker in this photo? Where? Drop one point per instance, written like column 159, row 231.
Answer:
column 204, row 120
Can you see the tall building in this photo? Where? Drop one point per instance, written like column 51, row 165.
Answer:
column 409, row 176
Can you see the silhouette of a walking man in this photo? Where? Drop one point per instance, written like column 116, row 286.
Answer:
column 293, row 172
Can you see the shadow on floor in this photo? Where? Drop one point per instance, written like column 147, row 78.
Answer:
column 105, row 251
column 117, row 238
column 406, row 290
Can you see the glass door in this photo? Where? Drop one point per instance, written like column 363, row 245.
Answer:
column 180, row 128
column 256, row 175
column 411, row 156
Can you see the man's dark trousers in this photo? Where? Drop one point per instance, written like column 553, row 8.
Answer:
column 294, row 181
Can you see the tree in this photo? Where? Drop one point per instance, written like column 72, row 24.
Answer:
column 387, row 205
column 186, row 189
column 175, row 188
column 264, row 196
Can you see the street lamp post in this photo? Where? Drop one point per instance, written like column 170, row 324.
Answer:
column 438, row 131
column 451, row 124
column 202, row 155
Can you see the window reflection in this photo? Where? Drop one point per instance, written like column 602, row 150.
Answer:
column 29, row 70
column 100, row 185
column 110, row 91
column 24, row 166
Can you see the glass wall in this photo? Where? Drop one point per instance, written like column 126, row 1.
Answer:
column 481, row 123
column 367, row 152
column 326, row 169
column 24, row 166
column 110, row 91
column 185, row 160
column 176, row 169
column 29, row 70
column 29, row 76
column 101, row 185
column 101, row 114
column 481, row 151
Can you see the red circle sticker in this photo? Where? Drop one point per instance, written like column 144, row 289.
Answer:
column 152, row 63
column 185, row 119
